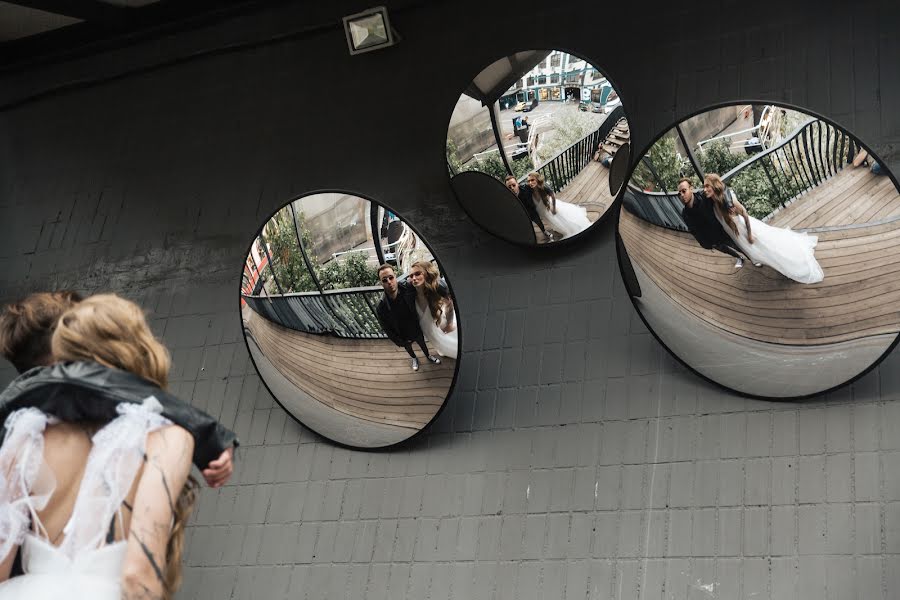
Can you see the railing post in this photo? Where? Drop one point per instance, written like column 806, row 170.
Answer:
column 312, row 272
column 772, row 183
column 265, row 246
column 690, row 152
column 306, row 261
column 376, row 231
column 649, row 162
column 499, row 138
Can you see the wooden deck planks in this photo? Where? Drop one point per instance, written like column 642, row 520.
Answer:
column 370, row 379
column 851, row 196
column 859, row 297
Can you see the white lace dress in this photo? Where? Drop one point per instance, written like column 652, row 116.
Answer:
column 445, row 344
column 569, row 219
column 83, row 565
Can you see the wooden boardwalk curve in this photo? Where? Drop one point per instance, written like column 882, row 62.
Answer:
column 850, row 197
column 370, row 379
column 859, row 297
column 590, row 188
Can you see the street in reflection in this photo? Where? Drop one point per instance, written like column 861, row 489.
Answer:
column 547, row 125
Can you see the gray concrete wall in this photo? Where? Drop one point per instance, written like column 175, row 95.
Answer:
column 575, row 458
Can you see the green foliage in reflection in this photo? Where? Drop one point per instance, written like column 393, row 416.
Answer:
column 669, row 165
column 349, row 270
column 568, row 128
column 287, row 261
column 751, row 185
column 490, row 164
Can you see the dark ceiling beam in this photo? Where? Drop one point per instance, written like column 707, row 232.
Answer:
column 131, row 24
column 86, row 10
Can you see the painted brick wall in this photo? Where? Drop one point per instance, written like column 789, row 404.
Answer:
column 576, row 459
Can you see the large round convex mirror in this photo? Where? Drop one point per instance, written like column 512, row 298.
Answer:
column 530, row 145
column 761, row 244
column 349, row 320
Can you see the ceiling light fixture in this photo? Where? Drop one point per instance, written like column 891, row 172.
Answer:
column 368, row 30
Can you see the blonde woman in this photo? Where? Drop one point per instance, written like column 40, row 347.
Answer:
column 437, row 317
column 791, row 253
column 562, row 217
column 98, row 511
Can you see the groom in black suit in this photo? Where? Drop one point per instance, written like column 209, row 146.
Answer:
column 525, row 198
column 698, row 215
column 398, row 317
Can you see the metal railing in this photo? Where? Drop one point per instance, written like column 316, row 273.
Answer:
column 802, row 161
column 797, row 164
column 347, row 313
column 658, row 208
column 560, row 170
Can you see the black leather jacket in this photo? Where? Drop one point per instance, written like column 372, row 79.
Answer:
column 86, row 391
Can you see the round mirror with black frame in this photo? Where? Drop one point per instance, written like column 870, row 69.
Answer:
column 349, row 319
column 546, row 126
column 761, row 246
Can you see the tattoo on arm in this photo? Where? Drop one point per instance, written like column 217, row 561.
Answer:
column 142, row 594
column 149, row 555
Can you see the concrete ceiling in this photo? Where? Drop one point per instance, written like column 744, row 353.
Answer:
column 34, row 31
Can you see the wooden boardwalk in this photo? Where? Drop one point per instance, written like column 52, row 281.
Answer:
column 859, row 297
column 590, row 188
column 370, row 379
column 850, row 197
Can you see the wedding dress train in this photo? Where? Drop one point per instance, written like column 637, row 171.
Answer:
column 791, row 253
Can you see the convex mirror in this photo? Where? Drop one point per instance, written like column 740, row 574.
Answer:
column 761, row 245
column 531, row 143
column 349, row 320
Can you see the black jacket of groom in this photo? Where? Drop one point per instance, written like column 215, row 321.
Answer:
column 404, row 328
column 703, row 224
column 86, row 391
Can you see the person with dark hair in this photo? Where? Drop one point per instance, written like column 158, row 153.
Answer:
column 90, row 391
column 791, row 253
column 701, row 221
column 524, row 196
column 27, row 326
column 398, row 317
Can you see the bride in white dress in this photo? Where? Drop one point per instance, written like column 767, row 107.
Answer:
column 434, row 305
column 562, row 217
column 90, row 509
column 791, row 253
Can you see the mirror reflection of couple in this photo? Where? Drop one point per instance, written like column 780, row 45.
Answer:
column 718, row 221
column 417, row 310
column 95, row 485
column 545, row 210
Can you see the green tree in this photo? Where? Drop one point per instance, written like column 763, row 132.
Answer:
column 669, row 165
column 353, row 271
column 290, row 269
column 751, row 185
column 453, row 162
column 490, row 164
column 717, row 157
column 568, row 128
column 287, row 260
